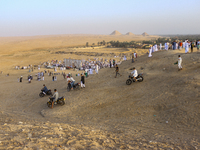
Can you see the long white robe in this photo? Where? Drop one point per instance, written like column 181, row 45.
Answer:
column 179, row 63
column 186, row 47
column 156, row 47
column 166, row 46
column 160, row 46
column 153, row 49
column 150, row 52
column 124, row 57
column 91, row 71
column 183, row 44
column 97, row 69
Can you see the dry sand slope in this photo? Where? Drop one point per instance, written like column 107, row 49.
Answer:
column 161, row 112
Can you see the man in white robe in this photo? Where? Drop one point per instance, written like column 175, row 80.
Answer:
column 160, row 46
column 186, row 47
column 156, row 47
column 183, row 44
column 97, row 69
column 91, row 71
column 150, row 51
column 125, row 57
column 165, row 46
column 179, row 63
column 153, row 49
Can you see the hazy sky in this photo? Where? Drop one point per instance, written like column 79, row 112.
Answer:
column 46, row 17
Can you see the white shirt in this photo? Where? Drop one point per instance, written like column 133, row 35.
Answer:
column 179, row 60
column 134, row 55
column 55, row 95
column 72, row 79
column 134, row 72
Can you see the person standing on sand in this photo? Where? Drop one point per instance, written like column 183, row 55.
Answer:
column 150, row 51
column 125, row 58
column 192, row 46
column 110, row 63
column 20, row 80
column 160, row 46
column 166, row 46
column 64, row 75
column 132, row 58
column 82, row 81
column 180, row 45
column 179, row 62
column 97, row 69
column 113, row 63
column 135, row 56
column 198, row 44
column 117, row 71
column 186, row 47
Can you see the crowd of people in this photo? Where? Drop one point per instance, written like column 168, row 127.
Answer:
column 89, row 67
column 177, row 45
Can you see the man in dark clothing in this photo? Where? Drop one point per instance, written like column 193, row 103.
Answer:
column 110, row 63
column 132, row 58
column 64, row 75
column 117, row 71
column 82, row 81
column 174, row 45
column 192, row 46
column 20, row 80
column 44, row 90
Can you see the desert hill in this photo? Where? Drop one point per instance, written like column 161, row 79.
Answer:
column 163, row 111
column 14, row 50
column 115, row 33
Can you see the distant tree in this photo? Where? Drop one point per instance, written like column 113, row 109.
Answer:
column 104, row 43
column 93, row 44
column 87, row 44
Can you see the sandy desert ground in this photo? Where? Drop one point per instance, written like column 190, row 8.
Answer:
column 162, row 112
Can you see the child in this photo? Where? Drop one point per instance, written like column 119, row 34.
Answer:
column 179, row 63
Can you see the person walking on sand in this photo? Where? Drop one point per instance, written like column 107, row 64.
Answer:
column 179, row 62
column 117, row 71
column 82, row 81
